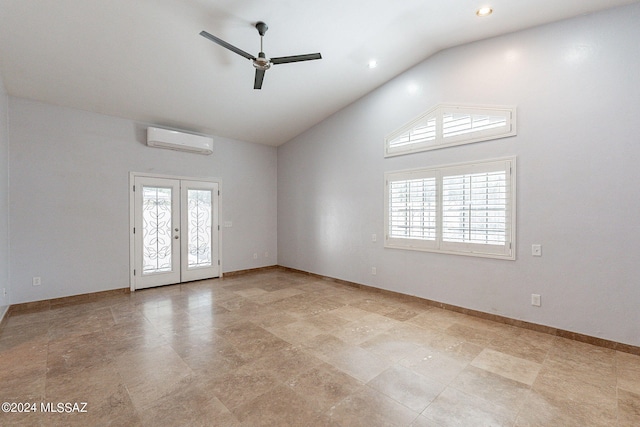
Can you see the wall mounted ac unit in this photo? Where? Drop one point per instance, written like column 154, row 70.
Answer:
column 180, row 141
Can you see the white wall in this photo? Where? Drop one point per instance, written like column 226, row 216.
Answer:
column 577, row 88
column 69, row 193
column 4, row 202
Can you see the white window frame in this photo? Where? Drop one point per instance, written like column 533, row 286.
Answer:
column 440, row 139
column 439, row 245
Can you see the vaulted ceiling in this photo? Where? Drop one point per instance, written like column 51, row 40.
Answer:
column 145, row 60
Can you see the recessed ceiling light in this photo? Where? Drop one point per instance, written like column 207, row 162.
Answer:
column 484, row 11
column 373, row 63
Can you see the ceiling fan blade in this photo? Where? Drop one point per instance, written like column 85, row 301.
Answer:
column 295, row 58
column 257, row 84
column 226, row 45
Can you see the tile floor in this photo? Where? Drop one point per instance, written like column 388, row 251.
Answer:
column 279, row 348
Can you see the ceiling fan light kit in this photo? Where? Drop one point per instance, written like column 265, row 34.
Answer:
column 261, row 63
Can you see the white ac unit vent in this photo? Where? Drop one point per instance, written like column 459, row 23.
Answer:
column 180, row 141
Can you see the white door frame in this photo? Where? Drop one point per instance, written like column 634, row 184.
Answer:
column 132, row 177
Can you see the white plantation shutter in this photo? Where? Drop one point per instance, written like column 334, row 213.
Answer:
column 467, row 209
column 457, row 123
column 422, row 132
column 419, row 133
column 448, row 125
column 411, row 208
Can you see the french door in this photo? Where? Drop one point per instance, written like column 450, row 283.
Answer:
column 175, row 231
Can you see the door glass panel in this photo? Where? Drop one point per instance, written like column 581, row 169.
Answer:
column 199, row 228
column 156, row 230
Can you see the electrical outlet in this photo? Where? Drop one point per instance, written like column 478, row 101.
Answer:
column 4, row 292
column 374, row 238
column 535, row 300
column 255, row 255
column 536, row 250
column 374, row 271
column 37, row 281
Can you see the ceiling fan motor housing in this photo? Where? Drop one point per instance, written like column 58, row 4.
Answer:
column 261, row 62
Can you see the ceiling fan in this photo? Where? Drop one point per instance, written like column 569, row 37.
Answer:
column 261, row 63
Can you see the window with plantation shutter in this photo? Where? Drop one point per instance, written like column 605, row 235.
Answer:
column 465, row 209
column 412, row 208
column 448, row 125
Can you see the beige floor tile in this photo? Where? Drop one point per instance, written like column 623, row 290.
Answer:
column 297, row 332
column 323, row 385
column 514, row 368
column 80, row 324
column 27, row 318
column 423, row 421
column 350, row 312
column 453, row 346
column 436, row 318
column 578, row 354
column 402, row 314
column 244, row 333
column 390, row 346
column 271, row 319
column 75, row 353
column 455, row 408
column 359, row 363
column 375, row 305
column 410, row 333
column 369, row 408
column 562, row 385
column 286, row 363
column 251, row 292
column 364, row 328
column 23, row 368
column 13, row 334
column 533, row 350
column 325, row 345
column 188, row 403
column 628, row 409
column 107, row 399
column 470, row 334
column 151, row 373
column 277, row 295
column 413, row 390
column 542, row 411
column 628, row 372
column 280, row 407
column 492, row 387
column 434, row 364
column 327, row 321
column 240, row 386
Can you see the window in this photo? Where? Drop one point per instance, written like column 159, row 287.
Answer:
column 464, row 209
column 449, row 125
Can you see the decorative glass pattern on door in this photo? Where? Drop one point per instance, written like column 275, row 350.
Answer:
column 156, row 230
column 199, row 214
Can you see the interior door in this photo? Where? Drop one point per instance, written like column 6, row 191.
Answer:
column 176, row 231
